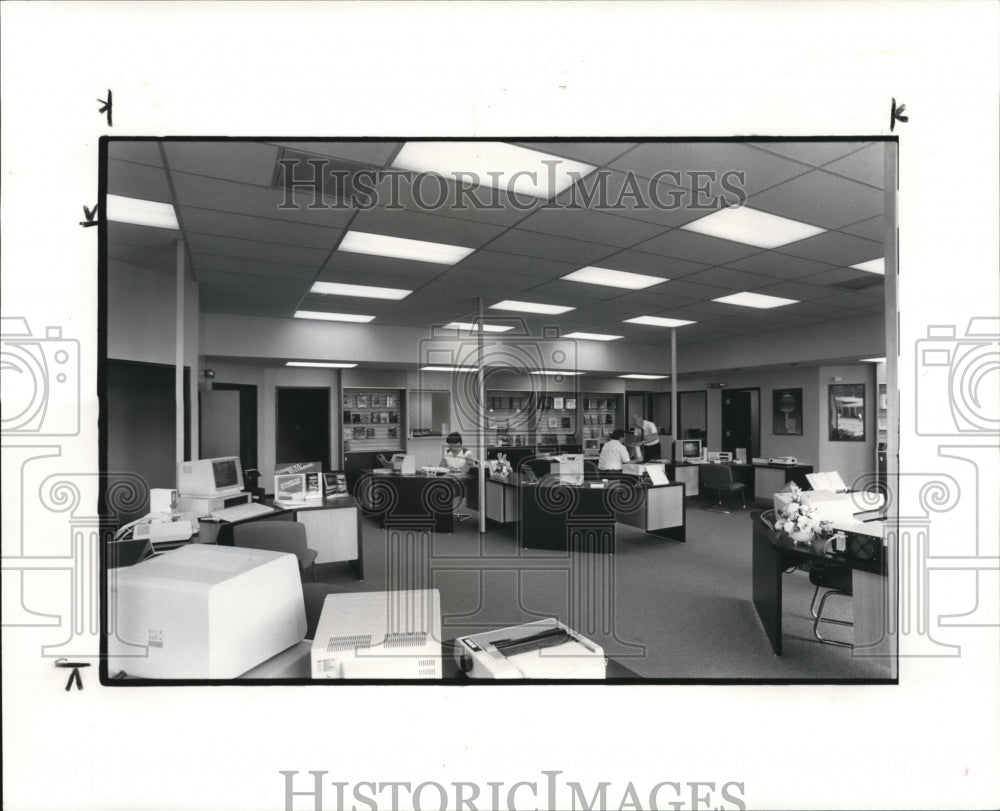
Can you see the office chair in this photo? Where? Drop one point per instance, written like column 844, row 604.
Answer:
column 720, row 479
column 590, row 470
column 838, row 581
column 277, row 536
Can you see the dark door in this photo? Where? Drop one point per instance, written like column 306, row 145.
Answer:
column 303, row 425
column 741, row 421
column 247, row 419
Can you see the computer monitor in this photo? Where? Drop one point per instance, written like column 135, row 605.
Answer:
column 687, row 449
column 222, row 476
column 203, row 612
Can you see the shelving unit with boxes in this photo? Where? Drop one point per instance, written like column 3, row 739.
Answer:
column 372, row 420
column 557, row 420
column 513, row 415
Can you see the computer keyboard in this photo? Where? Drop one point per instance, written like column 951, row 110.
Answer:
column 240, row 511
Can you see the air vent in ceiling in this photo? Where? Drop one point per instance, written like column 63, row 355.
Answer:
column 324, row 180
column 862, row 283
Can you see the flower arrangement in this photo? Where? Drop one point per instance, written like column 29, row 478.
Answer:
column 503, row 467
column 799, row 518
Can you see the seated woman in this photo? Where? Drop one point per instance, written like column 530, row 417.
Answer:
column 459, row 461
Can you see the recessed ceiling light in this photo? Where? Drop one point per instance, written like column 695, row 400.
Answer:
column 356, row 319
column 613, row 278
column 139, row 212
column 645, row 377
column 503, row 166
column 359, row 290
column 656, row 321
column 531, row 307
column 399, row 248
column 752, row 227
column 448, row 369
column 555, row 372
column 872, row 360
column 758, row 300
column 476, row 327
column 319, row 365
column 872, row 266
column 592, row 336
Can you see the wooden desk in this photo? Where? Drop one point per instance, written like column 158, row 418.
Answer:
column 333, row 529
column 411, row 500
column 774, row 552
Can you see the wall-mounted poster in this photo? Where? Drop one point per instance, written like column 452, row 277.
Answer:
column 787, row 412
column 847, row 412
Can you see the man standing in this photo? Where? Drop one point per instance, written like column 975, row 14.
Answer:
column 648, row 436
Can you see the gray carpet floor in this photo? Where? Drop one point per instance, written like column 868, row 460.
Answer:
column 667, row 611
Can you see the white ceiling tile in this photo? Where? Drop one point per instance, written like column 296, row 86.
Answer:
column 866, row 165
column 244, row 161
column 529, row 243
column 429, row 227
column 138, row 151
column 217, row 223
column 139, row 181
column 821, row 198
column 835, row 248
column 266, row 251
column 589, row 225
column 815, row 153
column 697, row 248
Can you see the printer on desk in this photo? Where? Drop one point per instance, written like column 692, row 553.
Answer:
column 544, row 649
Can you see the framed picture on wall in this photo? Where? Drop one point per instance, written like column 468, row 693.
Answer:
column 787, row 412
column 847, row 412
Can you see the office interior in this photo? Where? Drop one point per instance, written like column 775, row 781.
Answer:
column 203, row 318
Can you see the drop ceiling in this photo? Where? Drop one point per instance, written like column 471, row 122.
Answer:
column 252, row 256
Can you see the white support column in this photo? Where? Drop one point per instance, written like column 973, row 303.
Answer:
column 673, row 392
column 179, row 450
column 481, row 418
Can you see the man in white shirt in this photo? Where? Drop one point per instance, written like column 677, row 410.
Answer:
column 649, row 437
column 614, row 453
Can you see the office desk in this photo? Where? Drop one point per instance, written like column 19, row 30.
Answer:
column 774, row 552
column 404, row 500
column 552, row 515
column 333, row 529
column 763, row 481
column 294, row 664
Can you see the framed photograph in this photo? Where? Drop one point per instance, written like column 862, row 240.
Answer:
column 787, row 412
column 847, row 412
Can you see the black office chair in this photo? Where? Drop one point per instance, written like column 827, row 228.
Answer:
column 590, row 470
column 719, row 478
column 837, row 580
column 277, row 536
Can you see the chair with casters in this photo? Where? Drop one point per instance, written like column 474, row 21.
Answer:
column 719, row 478
column 278, row 536
column 837, row 580
column 590, row 470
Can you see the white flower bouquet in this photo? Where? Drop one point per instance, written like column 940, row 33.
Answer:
column 799, row 519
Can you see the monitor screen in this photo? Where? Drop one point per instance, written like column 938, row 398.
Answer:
column 226, row 473
column 687, row 449
column 221, row 476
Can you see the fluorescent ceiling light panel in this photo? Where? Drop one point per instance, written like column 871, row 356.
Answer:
column 503, row 166
column 359, row 290
column 399, row 248
column 873, row 360
column 592, row 336
column 349, row 317
column 308, row 364
column 531, row 307
column 656, row 321
column 476, row 327
column 756, row 300
column 752, row 227
column 873, row 266
column 644, row 377
column 555, row 372
column 139, row 212
column 448, row 369
column 613, row 278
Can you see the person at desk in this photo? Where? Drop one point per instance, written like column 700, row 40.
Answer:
column 459, row 461
column 649, row 437
column 614, row 454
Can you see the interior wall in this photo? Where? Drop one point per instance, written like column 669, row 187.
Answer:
column 853, row 460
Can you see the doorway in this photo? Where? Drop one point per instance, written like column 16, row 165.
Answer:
column 246, row 420
column 303, row 425
column 650, row 405
column 741, row 421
